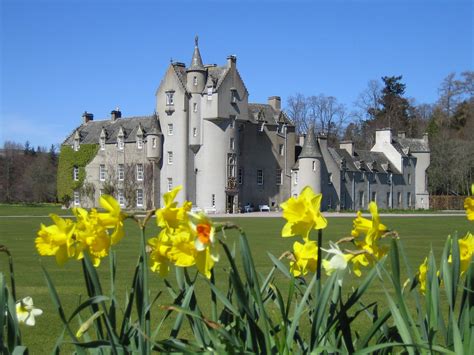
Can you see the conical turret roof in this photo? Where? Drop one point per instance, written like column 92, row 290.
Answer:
column 196, row 61
column 311, row 146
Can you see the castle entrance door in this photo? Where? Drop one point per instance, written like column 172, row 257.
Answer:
column 230, row 204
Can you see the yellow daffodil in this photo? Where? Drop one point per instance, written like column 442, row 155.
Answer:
column 338, row 261
column 205, row 234
column 358, row 261
column 113, row 218
column 26, row 312
column 172, row 216
column 373, row 229
column 466, row 250
column 303, row 214
column 56, row 240
column 423, row 270
column 469, row 205
column 306, row 257
column 160, row 247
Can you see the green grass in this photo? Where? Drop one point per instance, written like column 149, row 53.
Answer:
column 418, row 235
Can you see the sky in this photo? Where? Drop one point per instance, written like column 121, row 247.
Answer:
column 61, row 58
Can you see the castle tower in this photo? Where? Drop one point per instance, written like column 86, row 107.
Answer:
column 310, row 163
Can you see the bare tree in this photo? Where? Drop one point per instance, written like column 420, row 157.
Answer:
column 327, row 115
column 297, row 110
column 368, row 101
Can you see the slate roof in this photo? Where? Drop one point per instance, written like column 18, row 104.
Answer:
column 414, row 144
column 311, row 146
column 89, row 132
column 266, row 113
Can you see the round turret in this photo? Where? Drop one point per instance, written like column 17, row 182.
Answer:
column 196, row 73
column 153, row 144
column 310, row 163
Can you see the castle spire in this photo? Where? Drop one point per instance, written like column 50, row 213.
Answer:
column 196, row 61
column 310, row 147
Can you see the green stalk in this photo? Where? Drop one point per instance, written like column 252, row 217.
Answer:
column 10, row 264
column 145, row 307
column 319, row 262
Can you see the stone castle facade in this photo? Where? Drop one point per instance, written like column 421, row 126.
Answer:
column 228, row 153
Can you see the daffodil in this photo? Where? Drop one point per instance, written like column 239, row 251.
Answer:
column 357, row 261
column 172, row 216
column 338, row 261
column 159, row 249
column 469, row 205
column 466, row 250
column 56, row 240
column 205, row 234
column 303, row 214
column 26, row 312
column 306, row 257
column 423, row 270
column 113, row 218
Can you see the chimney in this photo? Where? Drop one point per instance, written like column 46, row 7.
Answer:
column 323, row 142
column 114, row 114
column 275, row 102
column 348, row 146
column 86, row 117
column 401, row 134
column 231, row 61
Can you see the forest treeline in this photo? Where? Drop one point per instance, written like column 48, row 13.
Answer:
column 28, row 175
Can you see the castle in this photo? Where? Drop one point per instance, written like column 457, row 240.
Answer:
column 228, row 153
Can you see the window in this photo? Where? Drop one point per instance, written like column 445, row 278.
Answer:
column 374, row 196
column 314, row 165
column 231, row 165
column 195, row 107
column 101, row 192
column 169, row 98
column 232, row 144
column 330, row 178
column 195, row 132
column 170, row 184
column 120, row 172
column 102, row 172
column 279, row 176
column 139, row 172
column 281, row 128
column 362, row 177
column 209, row 94
column 409, row 199
column 170, row 129
column 139, row 198
column 77, row 200
column 281, row 149
column 75, row 173
column 76, row 144
column 295, row 174
column 232, row 122
column 409, row 179
column 102, row 143
column 195, row 81
column 153, row 142
column 170, row 157
column 361, row 199
column 139, row 142
column 389, row 204
column 241, row 176
column 261, row 126
column 120, row 143
column 213, row 200
column 121, row 198
column 399, row 195
column 259, row 177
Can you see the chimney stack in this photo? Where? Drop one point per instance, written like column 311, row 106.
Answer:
column 348, row 146
column 275, row 102
column 86, row 117
column 231, row 61
column 115, row 114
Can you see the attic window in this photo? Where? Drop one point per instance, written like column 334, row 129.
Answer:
column 120, row 143
column 280, row 128
column 76, row 145
column 102, row 143
column 139, row 142
column 233, row 95
column 261, row 126
column 209, row 93
column 169, row 98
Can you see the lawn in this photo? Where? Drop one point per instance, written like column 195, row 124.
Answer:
column 418, row 235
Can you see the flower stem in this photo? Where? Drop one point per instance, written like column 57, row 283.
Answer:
column 319, row 261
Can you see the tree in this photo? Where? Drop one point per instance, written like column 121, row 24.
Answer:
column 297, row 110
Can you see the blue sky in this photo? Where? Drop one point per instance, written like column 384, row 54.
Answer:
column 60, row 58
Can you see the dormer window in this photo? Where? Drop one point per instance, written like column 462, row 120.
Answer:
column 139, row 142
column 76, row 145
column 280, row 128
column 209, row 93
column 261, row 126
column 233, row 96
column 120, row 143
column 102, row 143
column 170, row 98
